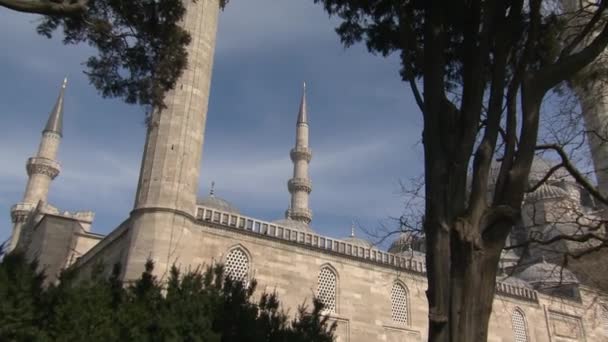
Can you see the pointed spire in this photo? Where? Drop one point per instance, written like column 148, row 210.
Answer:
column 55, row 122
column 303, row 115
column 212, row 191
column 352, row 229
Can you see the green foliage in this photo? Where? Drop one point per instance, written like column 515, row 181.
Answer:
column 141, row 47
column 20, row 298
column 389, row 26
column 199, row 305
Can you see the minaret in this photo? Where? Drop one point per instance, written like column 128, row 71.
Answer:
column 592, row 94
column 165, row 200
column 300, row 186
column 41, row 169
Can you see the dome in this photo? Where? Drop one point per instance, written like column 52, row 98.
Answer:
column 538, row 170
column 358, row 241
column 293, row 224
column 547, row 273
column 514, row 281
column 217, row 203
column 406, row 242
column 546, row 192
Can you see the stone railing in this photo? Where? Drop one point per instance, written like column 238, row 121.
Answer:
column 327, row 244
column 516, row 291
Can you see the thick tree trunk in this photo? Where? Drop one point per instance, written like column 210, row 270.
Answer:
column 472, row 288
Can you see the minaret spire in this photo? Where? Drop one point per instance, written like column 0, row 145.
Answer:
column 41, row 169
column 55, row 121
column 300, row 185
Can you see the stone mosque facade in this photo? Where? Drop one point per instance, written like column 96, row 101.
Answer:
column 372, row 294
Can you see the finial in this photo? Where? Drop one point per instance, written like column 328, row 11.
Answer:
column 352, row 229
column 212, row 191
column 304, row 86
column 65, row 83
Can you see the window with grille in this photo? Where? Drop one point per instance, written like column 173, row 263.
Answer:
column 326, row 291
column 399, row 303
column 520, row 331
column 237, row 265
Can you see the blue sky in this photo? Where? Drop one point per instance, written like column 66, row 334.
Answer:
column 365, row 128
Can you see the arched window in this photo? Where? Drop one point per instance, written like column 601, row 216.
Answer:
column 520, row 329
column 237, row 265
column 326, row 291
column 399, row 303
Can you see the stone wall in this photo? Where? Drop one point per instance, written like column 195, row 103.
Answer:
column 289, row 262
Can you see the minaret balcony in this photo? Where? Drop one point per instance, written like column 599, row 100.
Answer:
column 300, row 153
column 20, row 211
column 300, row 214
column 299, row 184
column 38, row 165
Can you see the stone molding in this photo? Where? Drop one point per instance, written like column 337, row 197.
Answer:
column 45, row 166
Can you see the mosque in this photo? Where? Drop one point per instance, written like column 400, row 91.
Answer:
column 372, row 294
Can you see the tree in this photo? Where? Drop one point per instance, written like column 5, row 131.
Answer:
column 485, row 68
column 199, row 305
column 141, row 46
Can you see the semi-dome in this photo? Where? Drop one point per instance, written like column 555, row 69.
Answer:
column 547, row 273
column 293, row 224
column 546, row 192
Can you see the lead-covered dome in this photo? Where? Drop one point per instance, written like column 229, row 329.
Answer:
column 407, row 241
column 293, row 224
column 353, row 240
column 547, row 273
column 546, row 192
column 217, row 203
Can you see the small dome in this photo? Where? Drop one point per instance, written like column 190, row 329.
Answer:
column 217, row 203
column 405, row 242
column 539, row 169
column 358, row 241
column 515, row 281
column 546, row 192
column 293, row 224
column 547, row 273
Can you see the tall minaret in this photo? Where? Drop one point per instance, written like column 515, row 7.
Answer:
column 300, row 185
column 592, row 94
column 41, row 169
column 166, row 194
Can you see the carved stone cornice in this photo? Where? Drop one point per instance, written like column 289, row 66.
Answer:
column 300, row 153
column 45, row 166
column 299, row 184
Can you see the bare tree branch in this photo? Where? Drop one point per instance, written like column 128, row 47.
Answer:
column 47, row 7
